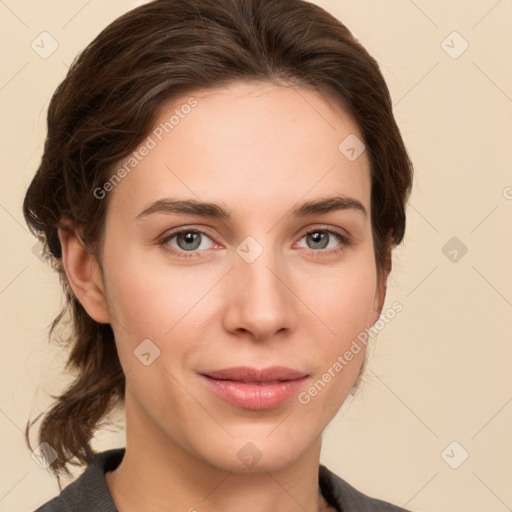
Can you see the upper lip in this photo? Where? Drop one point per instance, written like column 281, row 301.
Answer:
column 248, row 374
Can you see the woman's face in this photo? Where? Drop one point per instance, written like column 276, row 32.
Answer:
column 253, row 290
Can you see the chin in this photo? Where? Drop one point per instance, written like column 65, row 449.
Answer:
column 255, row 455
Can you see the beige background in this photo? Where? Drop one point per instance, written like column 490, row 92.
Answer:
column 440, row 371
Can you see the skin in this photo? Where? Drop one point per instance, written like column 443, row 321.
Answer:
column 258, row 150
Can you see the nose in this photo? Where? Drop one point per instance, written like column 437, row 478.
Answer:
column 260, row 297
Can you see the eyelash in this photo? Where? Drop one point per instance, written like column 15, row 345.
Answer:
column 342, row 237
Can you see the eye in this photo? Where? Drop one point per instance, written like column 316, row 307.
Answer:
column 186, row 241
column 319, row 239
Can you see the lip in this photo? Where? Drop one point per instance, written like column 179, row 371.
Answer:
column 250, row 388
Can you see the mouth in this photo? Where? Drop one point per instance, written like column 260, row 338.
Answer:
column 250, row 388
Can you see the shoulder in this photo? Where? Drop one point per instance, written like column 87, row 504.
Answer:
column 89, row 492
column 348, row 499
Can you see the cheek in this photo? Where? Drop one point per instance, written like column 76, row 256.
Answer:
column 339, row 352
column 343, row 298
column 345, row 306
column 147, row 299
column 352, row 307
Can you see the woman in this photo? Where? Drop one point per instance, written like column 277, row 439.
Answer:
column 220, row 191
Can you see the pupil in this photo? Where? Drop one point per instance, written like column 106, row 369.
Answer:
column 190, row 238
column 318, row 236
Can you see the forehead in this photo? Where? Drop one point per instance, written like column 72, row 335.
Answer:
column 250, row 145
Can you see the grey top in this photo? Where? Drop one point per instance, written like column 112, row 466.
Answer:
column 90, row 492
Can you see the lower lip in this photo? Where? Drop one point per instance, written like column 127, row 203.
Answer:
column 254, row 396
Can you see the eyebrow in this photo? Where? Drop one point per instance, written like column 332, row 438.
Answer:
column 215, row 211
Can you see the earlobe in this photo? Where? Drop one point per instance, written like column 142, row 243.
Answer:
column 83, row 274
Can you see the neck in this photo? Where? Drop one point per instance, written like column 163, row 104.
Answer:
column 156, row 474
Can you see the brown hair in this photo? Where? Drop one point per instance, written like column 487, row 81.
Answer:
column 108, row 103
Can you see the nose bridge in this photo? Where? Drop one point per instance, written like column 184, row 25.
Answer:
column 262, row 301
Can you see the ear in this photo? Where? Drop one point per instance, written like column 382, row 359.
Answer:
column 83, row 272
column 382, row 279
